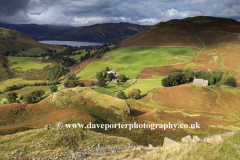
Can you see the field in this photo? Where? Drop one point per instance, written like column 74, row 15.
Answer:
column 131, row 61
column 16, row 81
column 23, row 64
column 96, row 66
column 144, row 86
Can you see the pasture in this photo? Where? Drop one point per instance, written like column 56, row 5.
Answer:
column 138, row 58
column 16, row 81
column 96, row 66
column 144, row 86
column 23, row 64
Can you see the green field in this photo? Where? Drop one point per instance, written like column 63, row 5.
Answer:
column 144, row 86
column 96, row 66
column 104, row 91
column 23, row 64
column 28, row 90
column 139, row 57
column 16, row 81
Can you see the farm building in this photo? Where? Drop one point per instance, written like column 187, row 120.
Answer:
column 115, row 81
column 108, row 72
column 201, row 82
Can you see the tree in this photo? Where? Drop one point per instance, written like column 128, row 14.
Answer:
column 121, row 95
column 72, row 83
column 66, row 84
column 41, row 93
column 165, row 82
column 92, row 83
column 35, row 95
column 98, row 56
column 212, row 80
column 107, row 69
column 101, row 81
column 53, row 88
column 111, row 76
column 135, row 94
column 122, row 78
column 81, row 84
column 224, row 77
column 231, row 81
column 28, row 98
column 11, row 97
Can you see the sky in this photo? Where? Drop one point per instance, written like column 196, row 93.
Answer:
column 89, row 12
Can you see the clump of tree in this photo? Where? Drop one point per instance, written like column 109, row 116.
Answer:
column 121, row 95
column 11, row 97
column 101, row 81
column 53, row 88
column 16, row 87
column 122, row 78
column 81, row 84
column 71, row 81
column 214, row 78
column 32, row 97
column 175, row 78
column 134, row 93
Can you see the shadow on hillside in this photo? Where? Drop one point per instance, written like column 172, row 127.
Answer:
column 137, row 112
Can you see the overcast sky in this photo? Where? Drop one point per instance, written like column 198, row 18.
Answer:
column 88, row 12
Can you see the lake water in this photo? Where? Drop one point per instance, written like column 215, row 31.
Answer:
column 72, row 43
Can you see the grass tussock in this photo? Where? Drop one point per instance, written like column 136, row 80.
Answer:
column 228, row 149
column 43, row 143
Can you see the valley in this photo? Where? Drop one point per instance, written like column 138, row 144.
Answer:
column 201, row 47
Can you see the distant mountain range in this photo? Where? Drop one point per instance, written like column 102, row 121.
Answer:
column 106, row 32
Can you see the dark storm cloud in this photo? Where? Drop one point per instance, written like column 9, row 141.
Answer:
column 88, row 12
column 11, row 7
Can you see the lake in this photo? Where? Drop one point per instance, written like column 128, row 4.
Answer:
column 72, row 43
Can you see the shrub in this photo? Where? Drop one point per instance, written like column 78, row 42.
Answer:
column 92, row 83
column 135, row 94
column 231, row 81
column 121, row 95
column 28, row 98
column 122, row 78
column 81, row 84
column 53, row 88
column 72, row 83
column 212, row 79
column 98, row 56
column 101, row 82
column 165, row 82
column 11, row 97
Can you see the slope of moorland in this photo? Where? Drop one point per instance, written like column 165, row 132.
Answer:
column 106, row 32
column 183, row 32
column 12, row 40
column 5, row 72
column 40, row 32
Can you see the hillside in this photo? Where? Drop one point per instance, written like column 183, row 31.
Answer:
column 185, row 32
column 11, row 40
column 40, row 32
column 106, row 32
